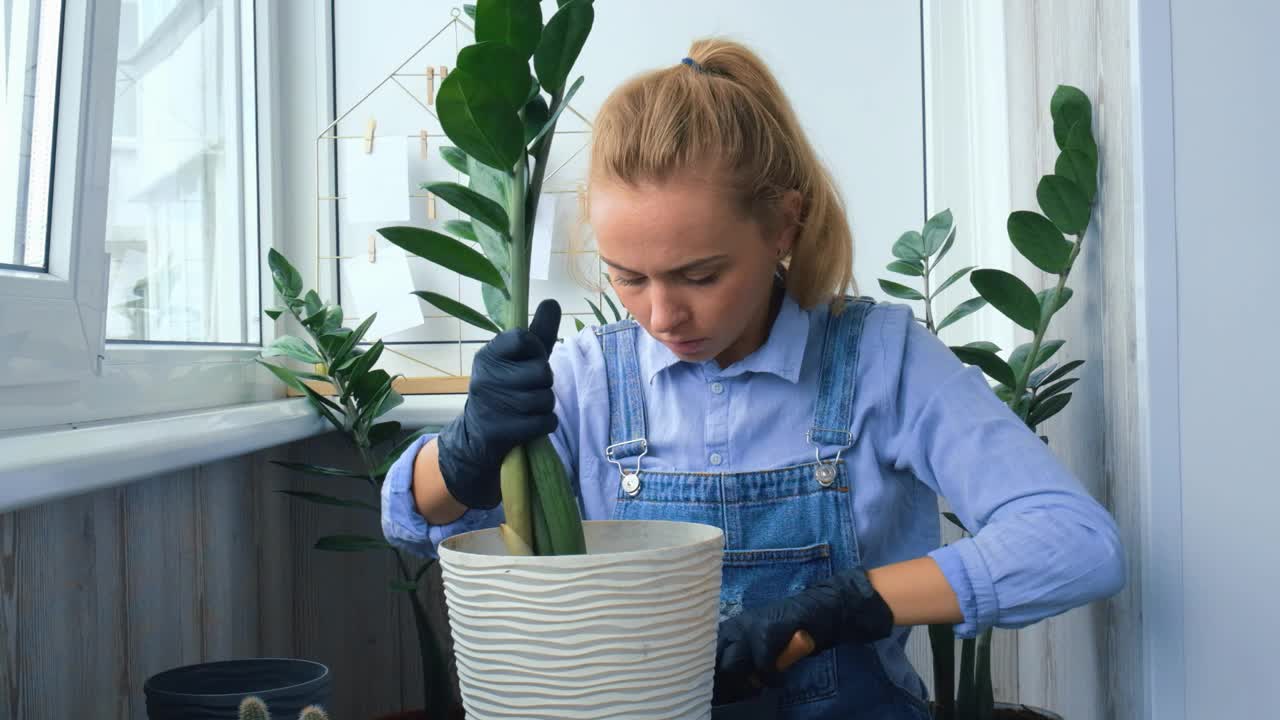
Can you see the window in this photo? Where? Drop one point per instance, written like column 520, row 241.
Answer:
column 181, row 210
column 30, row 73
column 142, row 144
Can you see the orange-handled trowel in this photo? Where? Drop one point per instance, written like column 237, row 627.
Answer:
column 749, row 699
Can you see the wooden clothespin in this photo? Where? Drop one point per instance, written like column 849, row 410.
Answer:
column 368, row 134
column 431, row 206
column 431, row 85
column 444, row 72
column 373, row 247
column 422, row 144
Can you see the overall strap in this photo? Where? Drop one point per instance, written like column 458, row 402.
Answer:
column 626, row 393
column 833, row 412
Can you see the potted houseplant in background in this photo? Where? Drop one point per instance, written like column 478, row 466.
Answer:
column 361, row 395
column 1033, row 390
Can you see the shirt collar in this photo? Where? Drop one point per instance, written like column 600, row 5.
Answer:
column 781, row 354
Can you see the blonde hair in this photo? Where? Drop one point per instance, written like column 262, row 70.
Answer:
column 724, row 109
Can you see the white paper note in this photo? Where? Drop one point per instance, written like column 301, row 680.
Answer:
column 383, row 287
column 544, row 230
column 376, row 184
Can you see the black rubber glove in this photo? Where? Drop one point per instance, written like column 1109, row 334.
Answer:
column 509, row 402
column 842, row 609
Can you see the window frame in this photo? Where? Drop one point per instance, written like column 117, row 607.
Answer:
column 67, row 373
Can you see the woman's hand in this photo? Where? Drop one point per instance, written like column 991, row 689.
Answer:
column 509, row 402
column 844, row 608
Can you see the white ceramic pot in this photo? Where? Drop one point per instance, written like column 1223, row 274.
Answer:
column 626, row 631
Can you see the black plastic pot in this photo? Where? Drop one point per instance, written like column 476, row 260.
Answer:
column 213, row 691
column 762, row 706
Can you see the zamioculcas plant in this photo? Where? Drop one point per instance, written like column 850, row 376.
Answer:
column 501, row 118
column 361, row 395
column 1035, row 392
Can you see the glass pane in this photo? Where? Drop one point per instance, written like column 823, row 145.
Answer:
column 180, row 231
column 30, row 55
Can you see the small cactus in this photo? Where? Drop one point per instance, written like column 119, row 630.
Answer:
column 313, row 712
column 252, row 708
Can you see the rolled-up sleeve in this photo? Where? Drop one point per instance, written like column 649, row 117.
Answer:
column 1040, row 544
column 402, row 524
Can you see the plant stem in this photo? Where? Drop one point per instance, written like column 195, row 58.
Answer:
column 520, row 242
column 928, row 300
column 1028, row 367
column 540, row 154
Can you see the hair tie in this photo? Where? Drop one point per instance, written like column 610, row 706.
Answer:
column 694, row 64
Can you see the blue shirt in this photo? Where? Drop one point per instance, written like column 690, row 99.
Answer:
column 925, row 424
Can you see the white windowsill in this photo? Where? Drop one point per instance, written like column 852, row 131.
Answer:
column 45, row 465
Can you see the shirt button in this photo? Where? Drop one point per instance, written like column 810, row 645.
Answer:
column 716, row 459
column 717, row 388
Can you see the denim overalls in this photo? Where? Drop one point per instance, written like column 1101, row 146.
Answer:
column 784, row 528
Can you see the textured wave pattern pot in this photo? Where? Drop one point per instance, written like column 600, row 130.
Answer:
column 625, row 631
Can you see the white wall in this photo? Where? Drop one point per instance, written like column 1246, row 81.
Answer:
column 1226, row 154
column 852, row 69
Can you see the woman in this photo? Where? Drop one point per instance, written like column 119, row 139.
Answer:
column 750, row 394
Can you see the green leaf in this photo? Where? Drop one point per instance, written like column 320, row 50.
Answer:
column 946, row 247
column 288, row 280
column 1043, row 298
column 332, row 318
column 459, row 310
column 1009, row 295
column 496, row 245
column 599, row 315
column 312, row 303
column 274, row 312
column 617, row 314
column 1064, row 203
column 1081, row 138
column 293, row 347
column 325, row 406
column 351, row 543
column 550, row 124
column 383, row 432
column 1039, row 241
column 954, row 277
column 496, row 304
column 322, row 499
column 1080, row 169
column 989, row 362
column 386, row 402
column 955, row 520
column 446, row 252
column 1062, row 371
column 536, row 115
column 480, row 121
column 562, row 40
column 285, row 374
column 349, row 340
column 369, row 386
column 470, row 10
column 906, row 267
column 936, row 231
column 455, row 157
column 963, row 310
column 899, row 290
column 1068, row 106
column 910, row 246
column 516, row 24
column 363, row 362
column 1052, row 390
column 473, row 204
column 501, row 67
column 461, row 229
column 1019, row 355
column 983, row 345
column 578, row 324
column 1048, row 409
column 319, row 470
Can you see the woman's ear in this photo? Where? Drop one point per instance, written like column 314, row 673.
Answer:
column 792, row 207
